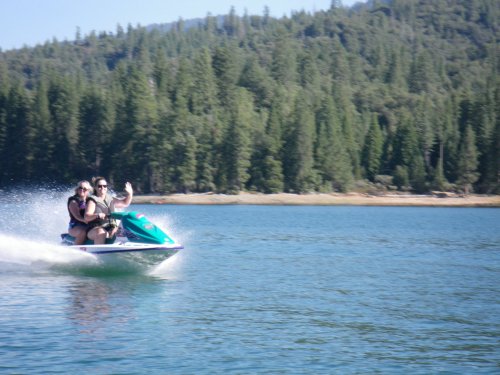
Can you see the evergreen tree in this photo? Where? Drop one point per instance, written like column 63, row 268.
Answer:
column 162, row 74
column 255, row 79
column 372, row 151
column 273, row 175
column 451, row 141
column 340, row 64
column 408, row 159
column 349, row 122
column 18, row 149
column 484, row 117
column 95, row 131
column 206, row 124
column 419, row 73
column 208, row 161
column 184, row 145
column 495, row 146
column 468, row 161
column 63, row 109
column 44, row 146
column 231, row 24
column 226, row 73
column 237, row 143
column 204, row 96
column 136, row 130
column 401, row 177
column 298, row 163
column 4, row 93
column 395, row 70
column 495, row 151
column 425, row 127
column 272, row 165
column 418, row 177
column 331, row 155
column 284, row 61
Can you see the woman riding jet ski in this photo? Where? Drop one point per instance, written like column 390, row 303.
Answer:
column 99, row 207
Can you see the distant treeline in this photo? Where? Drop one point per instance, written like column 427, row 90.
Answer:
column 400, row 94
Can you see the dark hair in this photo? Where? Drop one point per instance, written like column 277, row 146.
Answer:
column 95, row 180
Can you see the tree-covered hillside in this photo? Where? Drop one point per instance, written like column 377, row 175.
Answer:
column 403, row 94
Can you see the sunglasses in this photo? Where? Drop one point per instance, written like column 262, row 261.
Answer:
column 82, row 188
column 102, row 186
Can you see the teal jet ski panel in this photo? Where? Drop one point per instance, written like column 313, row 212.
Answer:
column 138, row 228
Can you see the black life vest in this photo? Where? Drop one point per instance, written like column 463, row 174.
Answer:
column 81, row 206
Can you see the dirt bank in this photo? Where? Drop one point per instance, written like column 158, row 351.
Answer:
column 442, row 200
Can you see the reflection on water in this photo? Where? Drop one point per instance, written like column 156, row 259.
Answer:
column 97, row 303
column 89, row 306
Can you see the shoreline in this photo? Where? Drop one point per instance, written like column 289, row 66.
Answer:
column 323, row 199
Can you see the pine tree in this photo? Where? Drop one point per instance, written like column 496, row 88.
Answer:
column 332, row 159
column 424, row 125
column 232, row 25
column 485, row 118
column 4, row 93
column 18, row 149
column 272, row 165
column 183, row 133
column 395, row 71
column 468, row 161
column 237, row 142
column 63, row 108
column 255, row 79
column 407, row 157
column 419, row 77
column 206, row 124
column 204, row 92
column 95, row 131
column 284, row 61
column 417, row 174
column 225, row 69
column 298, row 165
column 136, row 130
column 208, row 163
column 273, row 175
column 44, row 146
column 372, row 151
column 401, row 177
column 443, row 133
column 495, row 178
column 162, row 74
column 185, row 166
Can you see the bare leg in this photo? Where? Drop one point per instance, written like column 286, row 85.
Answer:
column 80, row 234
column 98, row 235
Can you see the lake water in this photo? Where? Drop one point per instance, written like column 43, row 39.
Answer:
column 260, row 290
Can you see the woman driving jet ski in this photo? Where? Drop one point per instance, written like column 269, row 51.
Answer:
column 99, row 206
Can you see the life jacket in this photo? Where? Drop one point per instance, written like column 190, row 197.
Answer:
column 81, row 206
column 102, row 205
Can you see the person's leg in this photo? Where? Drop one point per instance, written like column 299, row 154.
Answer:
column 112, row 232
column 98, row 235
column 80, row 234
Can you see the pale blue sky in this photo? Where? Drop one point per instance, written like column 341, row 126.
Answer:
column 31, row 22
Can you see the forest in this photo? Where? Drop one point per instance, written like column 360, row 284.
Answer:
column 399, row 95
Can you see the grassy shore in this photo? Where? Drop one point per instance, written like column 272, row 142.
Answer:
column 352, row 199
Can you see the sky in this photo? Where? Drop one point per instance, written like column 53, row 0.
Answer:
column 32, row 22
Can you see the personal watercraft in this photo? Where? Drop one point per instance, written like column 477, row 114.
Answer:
column 137, row 239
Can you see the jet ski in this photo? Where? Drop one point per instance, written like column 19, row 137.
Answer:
column 137, row 237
